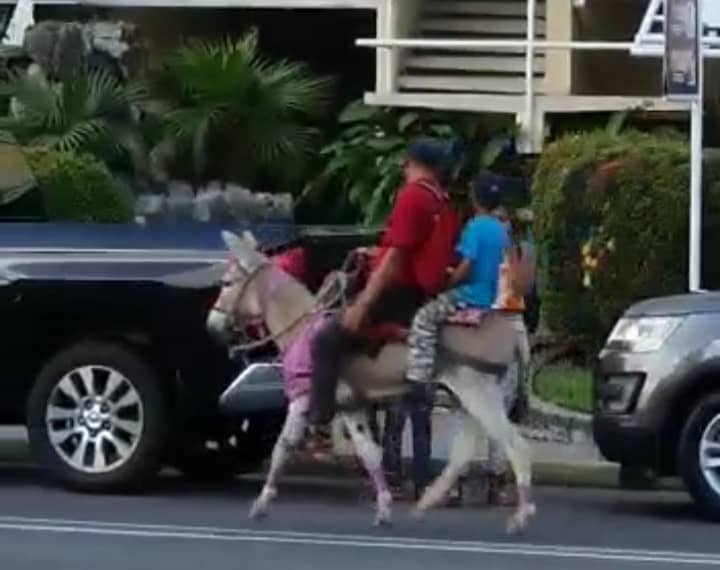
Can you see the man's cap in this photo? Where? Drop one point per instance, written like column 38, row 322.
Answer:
column 431, row 153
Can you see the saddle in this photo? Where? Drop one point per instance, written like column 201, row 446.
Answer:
column 393, row 332
column 485, row 343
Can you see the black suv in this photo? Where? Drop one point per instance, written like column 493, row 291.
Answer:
column 105, row 353
column 657, row 385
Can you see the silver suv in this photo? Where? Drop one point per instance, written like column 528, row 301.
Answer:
column 657, row 393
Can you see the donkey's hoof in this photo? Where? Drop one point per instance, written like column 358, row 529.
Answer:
column 258, row 512
column 520, row 519
column 383, row 519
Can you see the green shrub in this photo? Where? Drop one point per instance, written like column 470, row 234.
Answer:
column 79, row 188
column 362, row 166
column 612, row 223
column 565, row 385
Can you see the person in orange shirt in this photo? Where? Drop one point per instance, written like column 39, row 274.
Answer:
column 501, row 487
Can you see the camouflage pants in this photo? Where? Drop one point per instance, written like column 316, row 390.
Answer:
column 424, row 334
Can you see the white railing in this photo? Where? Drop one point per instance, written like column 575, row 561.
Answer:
column 530, row 64
column 530, row 44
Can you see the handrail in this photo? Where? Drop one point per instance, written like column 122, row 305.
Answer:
column 530, row 65
column 543, row 45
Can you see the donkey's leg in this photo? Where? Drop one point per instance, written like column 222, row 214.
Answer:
column 482, row 398
column 370, row 454
column 290, row 438
column 461, row 454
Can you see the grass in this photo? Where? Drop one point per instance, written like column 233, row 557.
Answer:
column 567, row 386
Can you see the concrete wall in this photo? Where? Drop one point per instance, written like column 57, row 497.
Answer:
column 613, row 73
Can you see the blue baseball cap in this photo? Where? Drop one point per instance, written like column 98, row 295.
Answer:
column 487, row 190
column 431, row 153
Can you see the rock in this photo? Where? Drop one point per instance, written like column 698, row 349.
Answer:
column 180, row 208
column 151, row 207
column 243, row 205
column 214, row 204
column 180, row 190
column 62, row 48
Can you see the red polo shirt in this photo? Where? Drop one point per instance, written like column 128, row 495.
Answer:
column 411, row 222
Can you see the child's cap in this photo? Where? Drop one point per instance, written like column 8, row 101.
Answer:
column 487, row 190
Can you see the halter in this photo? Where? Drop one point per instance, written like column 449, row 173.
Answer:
column 321, row 305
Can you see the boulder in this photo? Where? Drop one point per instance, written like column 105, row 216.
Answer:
column 214, row 204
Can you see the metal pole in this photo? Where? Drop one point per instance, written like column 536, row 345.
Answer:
column 530, row 72
column 696, row 167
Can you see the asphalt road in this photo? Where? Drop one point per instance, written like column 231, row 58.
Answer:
column 324, row 524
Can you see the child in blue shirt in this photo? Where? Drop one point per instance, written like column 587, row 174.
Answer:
column 474, row 282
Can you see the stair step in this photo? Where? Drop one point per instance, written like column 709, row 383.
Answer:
column 467, row 84
column 481, row 8
column 492, row 63
column 490, row 26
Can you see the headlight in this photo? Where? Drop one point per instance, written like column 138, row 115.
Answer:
column 642, row 334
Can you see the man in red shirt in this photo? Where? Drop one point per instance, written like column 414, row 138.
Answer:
column 403, row 275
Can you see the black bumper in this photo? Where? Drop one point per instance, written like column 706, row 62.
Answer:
column 621, row 440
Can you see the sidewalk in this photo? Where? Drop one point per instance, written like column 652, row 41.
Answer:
column 576, row 464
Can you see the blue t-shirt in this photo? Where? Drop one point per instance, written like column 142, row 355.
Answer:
column 483, row 243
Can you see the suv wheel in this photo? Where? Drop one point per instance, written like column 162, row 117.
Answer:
column 97, row 418
column 699, row 455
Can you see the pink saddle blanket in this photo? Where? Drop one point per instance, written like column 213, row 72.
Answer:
column 471, row 317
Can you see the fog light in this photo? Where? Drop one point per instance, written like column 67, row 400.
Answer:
column 617, row 393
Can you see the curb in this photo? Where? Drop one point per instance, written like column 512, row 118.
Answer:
column 573, row 474
column 587, row 475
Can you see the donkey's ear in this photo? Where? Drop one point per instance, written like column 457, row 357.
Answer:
column 244, row 251
column 235, row 244
column 250, row 239
column 238, row 247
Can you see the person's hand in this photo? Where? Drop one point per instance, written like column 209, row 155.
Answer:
column 353, row 317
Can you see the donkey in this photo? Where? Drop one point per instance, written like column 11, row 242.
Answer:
column 471, row 361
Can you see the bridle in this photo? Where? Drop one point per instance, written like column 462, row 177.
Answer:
column 325, row 302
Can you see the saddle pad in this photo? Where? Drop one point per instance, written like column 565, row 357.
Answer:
column 468, row 317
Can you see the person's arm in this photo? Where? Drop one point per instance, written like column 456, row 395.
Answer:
column 460, row 273
column 382, row 277
column 467, row 252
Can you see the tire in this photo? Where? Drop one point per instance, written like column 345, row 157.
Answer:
column 126, row 420
column 702, row 426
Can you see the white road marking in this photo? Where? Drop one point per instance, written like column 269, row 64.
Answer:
column 102, row 528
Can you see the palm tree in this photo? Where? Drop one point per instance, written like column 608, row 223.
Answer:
column 233, row 114
column 91, row 111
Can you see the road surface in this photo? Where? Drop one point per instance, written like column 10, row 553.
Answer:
column 323, row 524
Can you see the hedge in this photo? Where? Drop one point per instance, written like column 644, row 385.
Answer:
column 611, row 219
column 79, row 188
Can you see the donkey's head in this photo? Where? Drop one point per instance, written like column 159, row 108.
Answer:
column 240, row 300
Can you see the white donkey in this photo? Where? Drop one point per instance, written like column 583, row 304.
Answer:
column 471, row 360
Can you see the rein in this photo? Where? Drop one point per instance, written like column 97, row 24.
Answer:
column 321, row 305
